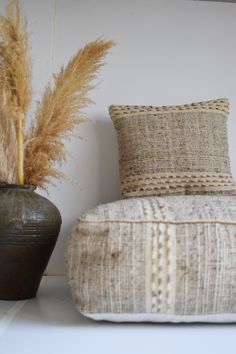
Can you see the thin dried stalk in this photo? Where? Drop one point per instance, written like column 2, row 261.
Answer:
column 59, row 111
column 7, row 148
column 15, row 73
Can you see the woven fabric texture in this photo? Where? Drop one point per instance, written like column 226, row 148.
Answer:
column 173, row 255
column 174, row 150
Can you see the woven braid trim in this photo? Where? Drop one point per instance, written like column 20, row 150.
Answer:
column 151, row 221
column 166, row 178
column 165, row 182
column 162, row 266
column 218, row 106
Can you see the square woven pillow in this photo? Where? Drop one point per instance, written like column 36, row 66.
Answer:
column 174, row 149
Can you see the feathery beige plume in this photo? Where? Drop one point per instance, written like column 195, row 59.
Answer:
column 59, row 111
column 15, row 73
column 7, row 147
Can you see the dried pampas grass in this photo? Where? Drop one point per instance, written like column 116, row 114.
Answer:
column 15, row 73
column 7, row 148
column 58, row 113
column 15, row 63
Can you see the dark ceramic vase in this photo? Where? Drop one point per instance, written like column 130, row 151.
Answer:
column 29, row 227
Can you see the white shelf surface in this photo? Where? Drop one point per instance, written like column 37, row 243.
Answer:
column 50, row 324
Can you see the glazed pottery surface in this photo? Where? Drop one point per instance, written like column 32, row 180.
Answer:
column 29, row 227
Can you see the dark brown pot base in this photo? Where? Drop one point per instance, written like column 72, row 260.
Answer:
column 29, row 227
column 23, row 266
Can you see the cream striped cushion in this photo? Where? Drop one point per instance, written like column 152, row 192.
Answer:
column 157, row 259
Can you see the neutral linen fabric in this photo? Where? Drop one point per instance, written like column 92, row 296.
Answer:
column 167, row 258
column 157, row 317
column 174, row 150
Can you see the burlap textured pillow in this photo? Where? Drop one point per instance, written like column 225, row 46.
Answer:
column 174, row 150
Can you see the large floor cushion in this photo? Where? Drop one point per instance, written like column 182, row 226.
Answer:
column 156, row 259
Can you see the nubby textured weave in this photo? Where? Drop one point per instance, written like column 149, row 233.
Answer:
column 167, row 252
column 157, row 259
column 174, row 150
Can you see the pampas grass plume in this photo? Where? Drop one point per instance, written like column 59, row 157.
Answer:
column 33, row 157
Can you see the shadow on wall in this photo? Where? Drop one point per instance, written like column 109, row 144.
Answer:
column 107, row 161
column 94, row 164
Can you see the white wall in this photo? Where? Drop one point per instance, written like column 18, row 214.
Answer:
column 168, row 52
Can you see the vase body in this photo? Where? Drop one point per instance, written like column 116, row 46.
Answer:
column 29, row 227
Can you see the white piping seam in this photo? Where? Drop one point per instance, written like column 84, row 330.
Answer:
column 155, row 317
column 174, row 222
column 9, row 316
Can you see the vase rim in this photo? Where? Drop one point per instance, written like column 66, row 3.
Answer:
column 30, row 187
